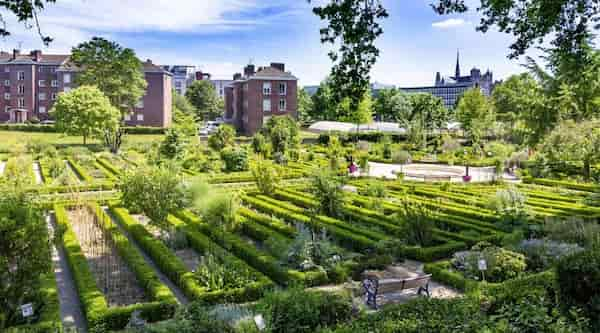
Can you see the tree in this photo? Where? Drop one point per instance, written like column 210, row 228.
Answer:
column 354, row 26
column 567, row 22
column 574, row 142
column 283, row 132
column 362, row 114
column 265, row 175
column 182, row 104
column 305, row 106
column 428, row 114
column 327, row 189
column 512, row 98
column 117, row 72
column 173, row 145
column 25, row 11
column 392, row 105
column 203, row 96
column 324, row 107
column 155, row 191
column 224, row 136
column 417, row 223
column 475, row 114
column 25, row 254
column 85, row 111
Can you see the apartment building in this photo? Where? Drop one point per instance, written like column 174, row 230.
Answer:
column 252, row 98
column 183, row 77
column 32, row 82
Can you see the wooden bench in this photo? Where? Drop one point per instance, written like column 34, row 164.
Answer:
column 374, row 286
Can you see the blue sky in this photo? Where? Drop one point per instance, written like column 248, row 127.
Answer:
column 221, row 36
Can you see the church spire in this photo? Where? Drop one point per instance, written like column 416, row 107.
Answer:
column 457, row 71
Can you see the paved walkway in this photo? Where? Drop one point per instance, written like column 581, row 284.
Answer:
column 417, row 171
column 71, row 313
column 37, row 172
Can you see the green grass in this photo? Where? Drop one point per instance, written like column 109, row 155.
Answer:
column 9, row 139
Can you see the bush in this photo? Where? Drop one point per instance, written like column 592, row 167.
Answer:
column 541, row 254
column 296, row 310
column 579, row 282
column 265, row 175
column 509, row 205
column 417, row 224
column 224, row 136
column 327, row 190
column 502, row 264
column 234, row 159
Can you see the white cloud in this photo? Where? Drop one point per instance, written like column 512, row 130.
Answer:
column 449, row 23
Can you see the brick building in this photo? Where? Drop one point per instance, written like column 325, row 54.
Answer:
column 31, row 83
column 251, row 99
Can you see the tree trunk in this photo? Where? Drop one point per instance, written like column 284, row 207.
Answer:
column 84, row 139
column 586, row 170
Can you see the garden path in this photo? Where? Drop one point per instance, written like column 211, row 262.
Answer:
column 2, row 166
column 37, row 172
column 417, row 170
column 181, row 298
column 71, row 313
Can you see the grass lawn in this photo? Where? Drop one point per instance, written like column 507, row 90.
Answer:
column 9, row 139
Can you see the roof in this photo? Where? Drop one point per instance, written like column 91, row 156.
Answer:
column 336, row 126
column 148, row 67
column 272, row 73
column 46, row 59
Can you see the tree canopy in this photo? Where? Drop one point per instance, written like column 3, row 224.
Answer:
column 392, row 105
column 25, row 11
column 203, row 96
column 85, row 111
column 475, row 114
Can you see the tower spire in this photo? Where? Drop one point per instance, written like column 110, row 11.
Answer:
column 457, row 70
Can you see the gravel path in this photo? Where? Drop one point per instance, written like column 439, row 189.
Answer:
column 37, row 172
column 414, row 171
column 71, row 313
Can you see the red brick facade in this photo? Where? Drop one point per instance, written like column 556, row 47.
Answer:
column 31, row 82
column 250, row 100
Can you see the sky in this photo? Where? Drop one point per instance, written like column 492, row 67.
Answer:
column 221, row 36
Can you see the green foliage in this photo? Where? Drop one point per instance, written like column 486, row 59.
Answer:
column 25, row 256
column 475, row 114
column 283, row 133
column 328, row 193
column 392, row 105
column 296, row 310
column 509, row 205
column 196, row 317
column 182, row 104
column 354, row 26
column 234, row 159
column 203, row 96
column 579, row 280
column 363, row 113
column 502, row 264
column 259, row 144
column 219, row 209
column 305, row 106
column 173, row 145
column 224, row 136
column 85, row 111
column 216, row 274
column 417, row 223
column 155, row 191
column 265, row 175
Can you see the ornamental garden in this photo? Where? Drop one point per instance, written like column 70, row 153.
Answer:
column 272, row 233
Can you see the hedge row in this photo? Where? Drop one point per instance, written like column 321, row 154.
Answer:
column 277, row 226
column 432, row 253
column 107, row 186
column 94, row 303
column 586, row 187
column 108, row 166
column 52, row 129
column 223, row 179
column 81, row 173
column 260, row 260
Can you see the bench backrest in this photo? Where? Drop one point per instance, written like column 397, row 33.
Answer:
column 395, row 285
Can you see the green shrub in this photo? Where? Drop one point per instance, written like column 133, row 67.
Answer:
column 224, row 136
column 296, row 310
column 234, row 159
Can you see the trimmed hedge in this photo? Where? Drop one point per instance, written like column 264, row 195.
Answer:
column 81, row 173
column 52, row 128
column 260, row 260
column 94, row 303
column 586, row 187
column 282, row 228
column 108, row 166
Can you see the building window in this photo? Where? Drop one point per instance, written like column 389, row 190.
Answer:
column 67, row 78
column 20, row 75
column 42, row 109
column 128, row 117
column 53, row 96
column 245, row 104
column 266, row 105
column 6, row 69
column 282, row 88
column 140, row 117
column 267, row 88
column 21, row 89
column 7, row 108
column 245, row 87
column 7, row 96
column 140, row 104
column 53, row 69
column 54, row 83
column 40, row 69
column 7, row 83
column 282, row 104
column 21, row 102
column 42, row 83
column 42, row 96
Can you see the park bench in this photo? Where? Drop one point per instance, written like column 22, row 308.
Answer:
column 374, row 286
column 430, row 178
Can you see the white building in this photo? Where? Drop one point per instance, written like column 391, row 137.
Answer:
column 220, row 86
column 183, row 76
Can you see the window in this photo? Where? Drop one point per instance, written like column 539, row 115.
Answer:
column 42, row 96
column 67, row 78
column 21, row 89
column 139, row 104
column 40, row 69
column 128, row 117
column 6, row 69
column 282, row 104
column 67, row 89
column 53, row 96
column 42, row 83
column 42, row 109
column 7, row 108
column 266, row 105
column 21, row 102
column 245, row 87
column 20, row 75
column 245, row 104
column 7, row 96
column 267, row 88
column 7, row 83
column 140, row 117
column 282, row 88
column 54, row 83
column 53, row 69
column 177, row 84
